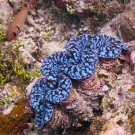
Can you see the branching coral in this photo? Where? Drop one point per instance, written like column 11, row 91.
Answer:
column 78, row 62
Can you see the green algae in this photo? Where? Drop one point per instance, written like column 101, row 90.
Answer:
column 46, row 36
column 12, row 65
column 2, row 33
column 133, row 128
column 64, row 15
column 131, row 117
column 4, row 102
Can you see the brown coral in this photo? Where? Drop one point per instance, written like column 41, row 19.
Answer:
column 10, row 123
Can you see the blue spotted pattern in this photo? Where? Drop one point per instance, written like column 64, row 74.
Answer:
column 83, row 69
column 104, row 46
column 46, row 91
column 78, row 62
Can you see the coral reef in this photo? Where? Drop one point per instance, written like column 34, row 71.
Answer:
column 44, row 35
column 127, row 22
column 114, row 126
column 77, row 63
column 95, row 13
column 122, row 25
column 101, row 7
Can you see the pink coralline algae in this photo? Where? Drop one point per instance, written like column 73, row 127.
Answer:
column 108, row 63
column 91, row 83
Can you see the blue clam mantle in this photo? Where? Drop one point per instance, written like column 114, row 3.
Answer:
column 78, row 62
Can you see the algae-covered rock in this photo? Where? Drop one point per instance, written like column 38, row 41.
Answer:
column 14, row 91
column 14, row 65
column 10, row 94
column 2, row 33
column 127, row 22
column 12, row 122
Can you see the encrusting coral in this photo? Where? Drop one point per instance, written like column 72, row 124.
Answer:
column 77, row 63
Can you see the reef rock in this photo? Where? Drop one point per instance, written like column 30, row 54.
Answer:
column 13, row 122
column 127, row 22
column 132, row 54
column 5, row 11
column 112, row 126
column 12, row 109
column 81, row 7
column 122, row 25
column 112, row 28
column 9, row 95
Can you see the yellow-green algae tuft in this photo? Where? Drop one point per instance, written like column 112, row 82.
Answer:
column 12, row 65
column 45, row 36
column 131, row 117
column 2, row 33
